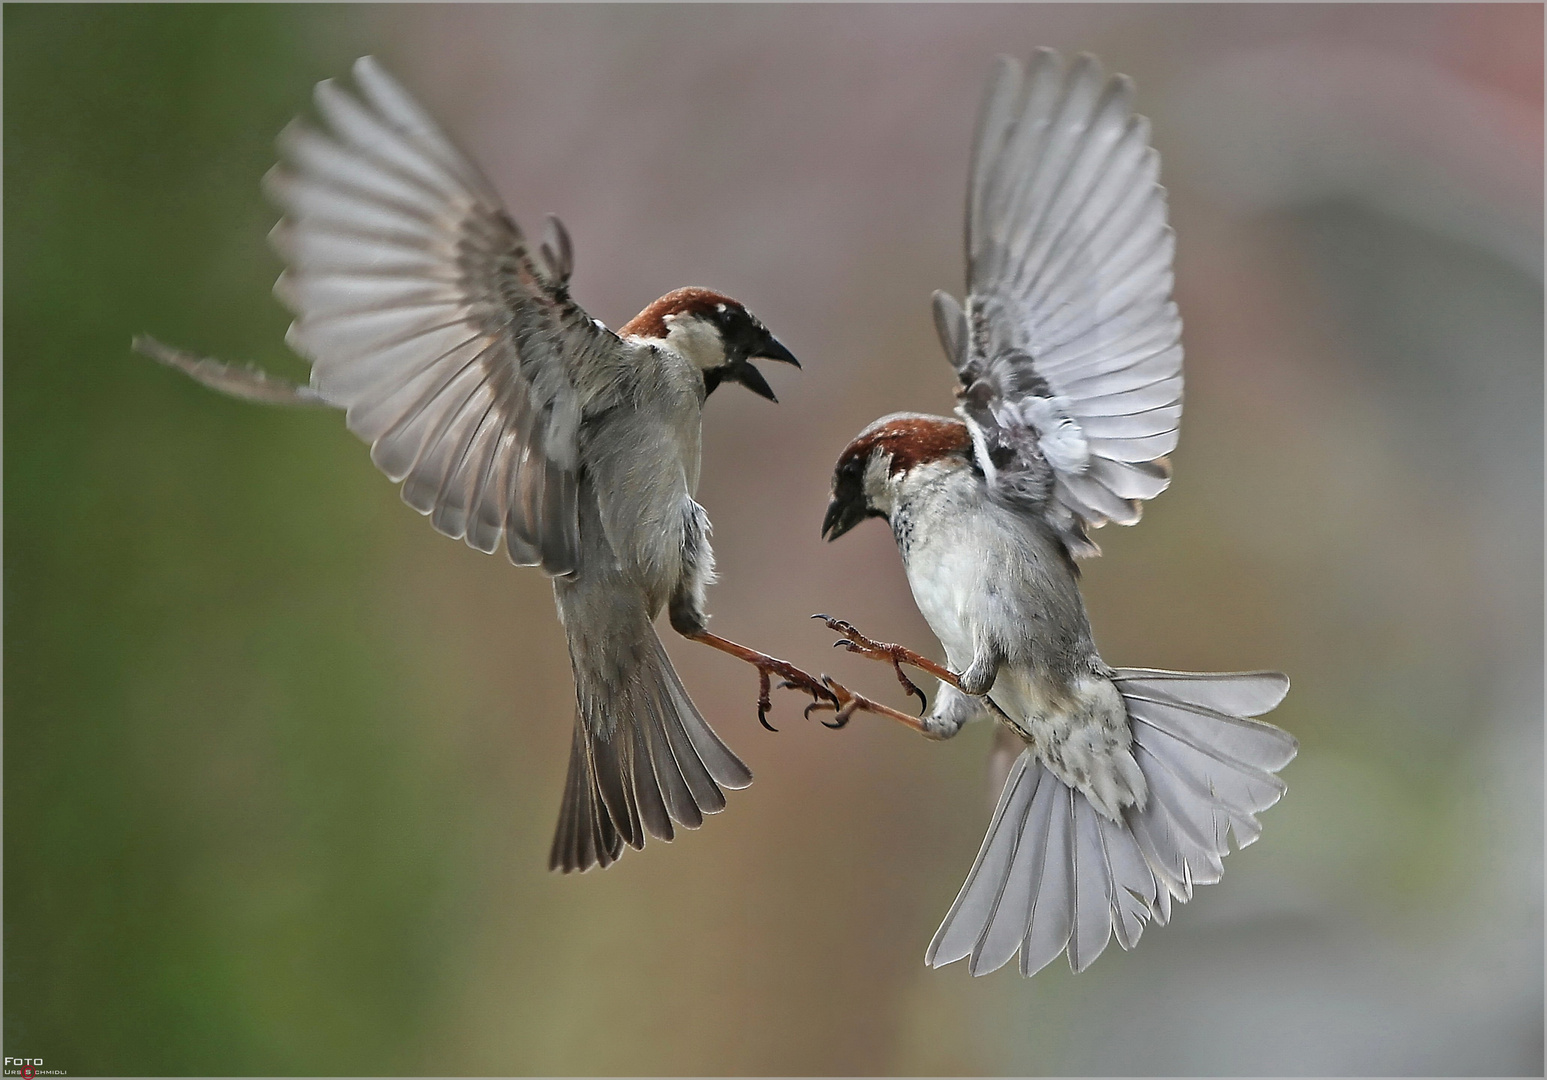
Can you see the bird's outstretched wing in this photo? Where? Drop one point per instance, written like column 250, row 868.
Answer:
column 1069, row 348
column 425, row 313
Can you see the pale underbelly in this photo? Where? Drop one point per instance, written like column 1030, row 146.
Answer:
column 942, row 589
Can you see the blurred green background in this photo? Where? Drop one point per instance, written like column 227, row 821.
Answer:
column 281, row 764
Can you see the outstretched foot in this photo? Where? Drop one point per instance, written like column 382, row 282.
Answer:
column 848, row 703
column 767, row 667
column 896, row 655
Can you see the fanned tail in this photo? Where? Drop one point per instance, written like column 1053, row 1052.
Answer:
column 643, row 758
column 1056, row 876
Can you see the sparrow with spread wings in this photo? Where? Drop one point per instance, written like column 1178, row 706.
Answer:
column 513, row 419
column 1123, row 782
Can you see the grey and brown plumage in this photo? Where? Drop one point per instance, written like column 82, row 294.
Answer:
column 1120, row 785
column 515, row 421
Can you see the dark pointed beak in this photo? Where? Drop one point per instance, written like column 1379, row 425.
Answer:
column 843, row 513
column 770, row 349
column 742, row 371
column 752, row 379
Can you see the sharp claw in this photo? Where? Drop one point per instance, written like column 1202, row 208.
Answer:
column 909, row 686
column 843, row 716
column 824, row 618
column 763, row 702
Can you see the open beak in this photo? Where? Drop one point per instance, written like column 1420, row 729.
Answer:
column 843, row 513
column 743, row 372
column 748, row 376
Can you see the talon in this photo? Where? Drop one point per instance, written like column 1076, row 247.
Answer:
column 909, row 686
column 839, row 719
column 768, row 666
column 844, row 715
column 763, row 701
column 856, row 641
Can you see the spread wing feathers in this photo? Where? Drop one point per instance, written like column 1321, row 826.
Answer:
column 1069, row 348
column 1055, row 876
column 458, row 356
column 247, row 383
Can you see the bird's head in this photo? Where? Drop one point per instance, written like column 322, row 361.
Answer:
column 883, row 458
column 719, row 336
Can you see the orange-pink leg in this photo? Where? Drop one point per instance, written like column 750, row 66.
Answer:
column 896, row 655
column 825, row 692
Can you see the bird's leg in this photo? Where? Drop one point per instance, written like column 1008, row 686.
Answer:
column 768, row 666
column 850, row 703
column 688, row 618
column 825, row 692
column 896, row 655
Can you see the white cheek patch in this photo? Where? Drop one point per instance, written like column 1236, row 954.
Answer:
column 878, row 483
column 698, row 341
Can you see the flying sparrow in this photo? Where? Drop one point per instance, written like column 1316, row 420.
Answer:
column 514, row 419
column 1070, row 365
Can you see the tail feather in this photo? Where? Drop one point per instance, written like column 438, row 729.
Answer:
column 605, row 838
column 643, row 761
column 584, row 836
column 612, row 777
column 701, row 786
column 726, row 768
column 1133, row 885
column 649, row 797
column 1187, row 824
column 972, row 915
column 1054, row 875
column 1235, row 738
column 1050, row 920
column 1092, row 890
column 1235, row 693
column 1221, row 780
column 676, row 792
column 1003, row 934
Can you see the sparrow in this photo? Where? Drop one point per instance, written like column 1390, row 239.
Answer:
column 516, row 421
column 1123, row 781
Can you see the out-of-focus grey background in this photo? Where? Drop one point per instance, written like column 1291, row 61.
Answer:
column 281, row 764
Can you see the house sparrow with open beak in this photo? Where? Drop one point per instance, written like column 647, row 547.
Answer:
column 514, row 419
column 1070, row 365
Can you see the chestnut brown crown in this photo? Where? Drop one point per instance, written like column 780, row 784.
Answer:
column 741, row 337
column 907, row 440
